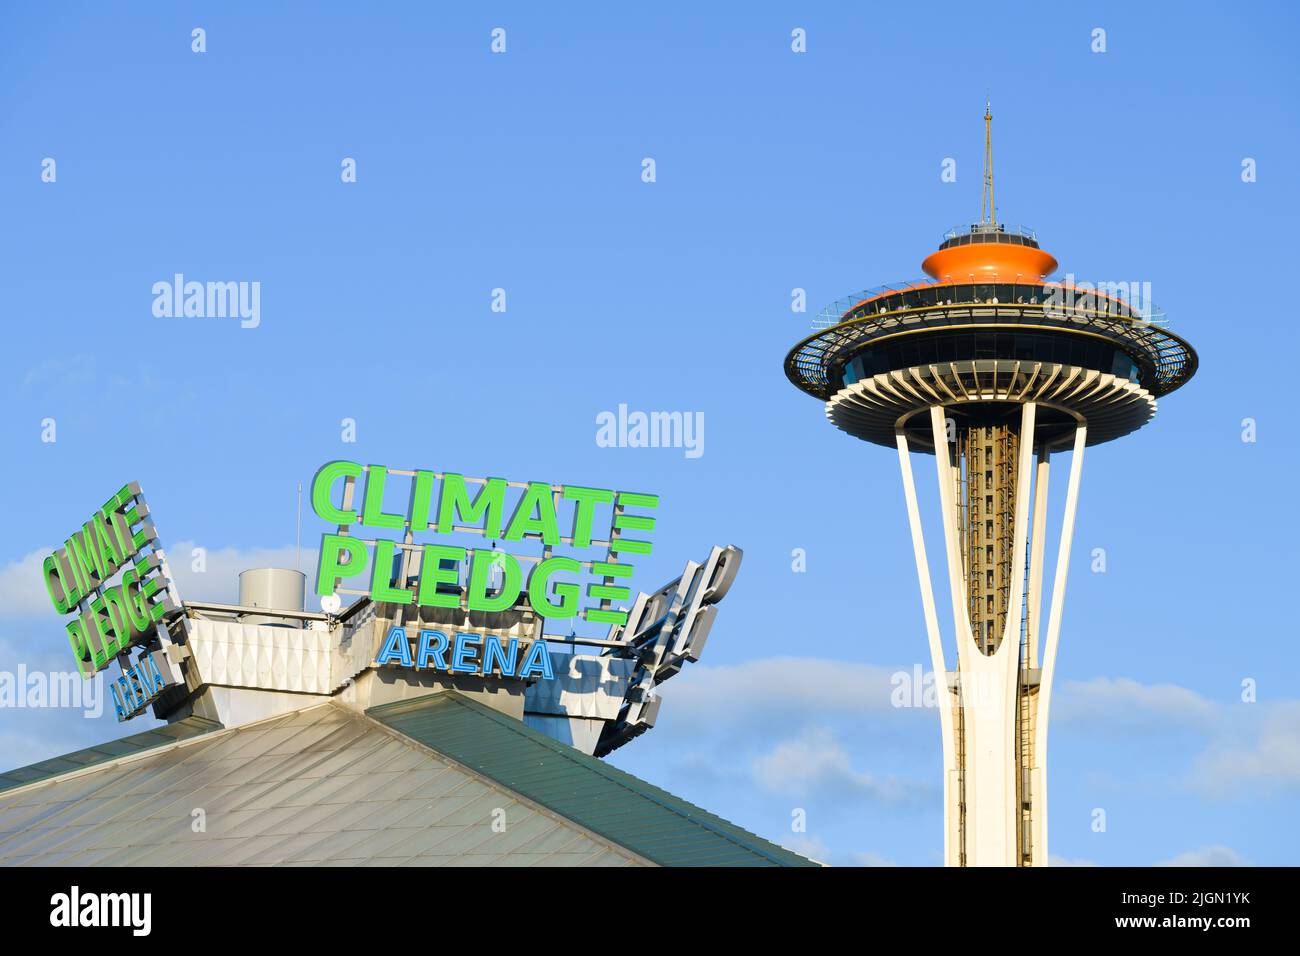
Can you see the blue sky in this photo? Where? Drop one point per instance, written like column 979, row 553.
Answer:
column 774, row 171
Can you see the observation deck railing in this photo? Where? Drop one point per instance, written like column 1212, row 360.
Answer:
column 1116, row 298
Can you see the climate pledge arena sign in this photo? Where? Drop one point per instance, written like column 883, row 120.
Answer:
column 583, row 540
column 112, row 578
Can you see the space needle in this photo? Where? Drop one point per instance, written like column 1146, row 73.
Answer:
column 999, row 369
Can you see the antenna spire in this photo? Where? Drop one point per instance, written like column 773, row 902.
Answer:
column 988, row 214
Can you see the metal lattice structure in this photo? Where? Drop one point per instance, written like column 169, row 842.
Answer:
column 984, row 464
column 816, row 364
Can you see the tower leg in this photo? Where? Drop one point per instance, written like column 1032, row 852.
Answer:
column 993, row 707
column 944, row 696
column 1038, row 775
column 1027, row 694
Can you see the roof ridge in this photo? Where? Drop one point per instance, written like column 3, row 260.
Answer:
column 475, row 774
column 108, row 759
column 697, row 815
column 193, row 720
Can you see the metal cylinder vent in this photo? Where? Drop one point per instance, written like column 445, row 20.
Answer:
column 277, row 589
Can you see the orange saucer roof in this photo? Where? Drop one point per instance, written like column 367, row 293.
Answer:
column 987, row 260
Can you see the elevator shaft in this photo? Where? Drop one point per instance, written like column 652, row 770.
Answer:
column 985, row 463
column 986, row 459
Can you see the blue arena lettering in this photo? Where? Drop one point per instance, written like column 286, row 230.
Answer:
column 466, row 653
column 124, row 703
column 492, row 648
column 433, row 644
column 139, row 685
column 466, row 644
column 539, row 660
column 396, row 650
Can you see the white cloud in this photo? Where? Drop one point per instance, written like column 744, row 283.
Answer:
column 782, row 687
column 75, row 370
column 817, row 850
column 810, row 847
column 1247, row 748
column 1265, row 755
column 1124, row 705
column 22, row 589
column 772, row 724
column 1216, row 855
column 1054, row 860
column 815, row 764
column 219, row 581
column 84, row 373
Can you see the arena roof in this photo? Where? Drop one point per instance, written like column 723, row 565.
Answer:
column 439, row 780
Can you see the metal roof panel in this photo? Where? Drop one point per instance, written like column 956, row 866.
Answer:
column 630, row 812
column 322, row 786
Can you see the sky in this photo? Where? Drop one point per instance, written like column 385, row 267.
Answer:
column 1161, row 159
